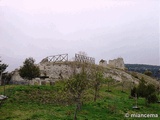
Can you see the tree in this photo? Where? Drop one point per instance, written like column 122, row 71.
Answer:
column 97, row 82
column 133, row 91
column 123, row 83
column 109, row 80
column 76, row 86
column 141, row 89
column 2, row 66
column 6, row 77
column 29, row 70
column 2, row 69
column 147, row 91
column 150, row 94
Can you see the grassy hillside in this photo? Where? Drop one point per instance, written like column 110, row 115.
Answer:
column 52, row 103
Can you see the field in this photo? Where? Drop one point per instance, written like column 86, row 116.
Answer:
column 49, row 103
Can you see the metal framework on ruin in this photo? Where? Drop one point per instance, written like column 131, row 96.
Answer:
column 58, row 58
column 84, row 59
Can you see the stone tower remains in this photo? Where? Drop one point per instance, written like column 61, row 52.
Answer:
column 117, row 63
column 103, row 63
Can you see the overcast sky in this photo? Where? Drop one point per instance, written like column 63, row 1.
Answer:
column 104, row 29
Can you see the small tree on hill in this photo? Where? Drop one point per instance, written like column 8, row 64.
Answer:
column 76, row 86
column 133, row 91
column 141, row 90
column 150, row 94
column 147, row 91
column 96, row 83
column 7, row 77
column 109, row 80
column 2, row 69
column 29, row 70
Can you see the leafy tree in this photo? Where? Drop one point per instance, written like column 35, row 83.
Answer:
column 150, row 94
column 29, row 70
column 123, row 84
column 7, row 77
column 2, row 69
column 141, row 90
column 133, row 91
column 76, row 86
column 96, row 83
column 147, row 91
column 109, row 80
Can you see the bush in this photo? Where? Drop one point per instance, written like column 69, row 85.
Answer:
column 147, row 72
column 147, row 91
column 152, row 98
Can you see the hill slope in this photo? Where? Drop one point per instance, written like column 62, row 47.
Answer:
column 142, row 68
column 51, row 103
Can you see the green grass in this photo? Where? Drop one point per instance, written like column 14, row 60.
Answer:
column 48, row 103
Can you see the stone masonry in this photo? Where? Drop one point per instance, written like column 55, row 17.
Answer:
column 116, row 63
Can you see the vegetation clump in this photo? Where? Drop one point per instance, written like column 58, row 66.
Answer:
column 29, row 70
column 144, row 90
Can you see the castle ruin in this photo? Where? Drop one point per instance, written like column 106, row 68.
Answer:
column 58, row 67
column 116, row 63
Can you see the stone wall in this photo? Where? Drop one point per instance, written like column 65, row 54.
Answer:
column 56, row 71
column 17, row 79
column 103, row 63
column 61, row 70
column 50, row 71
column 117, row 63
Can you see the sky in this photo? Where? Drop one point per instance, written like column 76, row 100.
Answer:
column 104, row 29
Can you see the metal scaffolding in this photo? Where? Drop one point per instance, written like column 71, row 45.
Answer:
column 56, row 58
column 84, row 59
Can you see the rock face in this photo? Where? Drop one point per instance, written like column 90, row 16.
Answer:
column 117, row 63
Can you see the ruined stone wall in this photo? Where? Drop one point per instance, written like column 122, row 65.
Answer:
column 103, row 63
column 51, row 71
column 61, row 70
column 17, row 79
column 56, row 71
column 117, row 63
